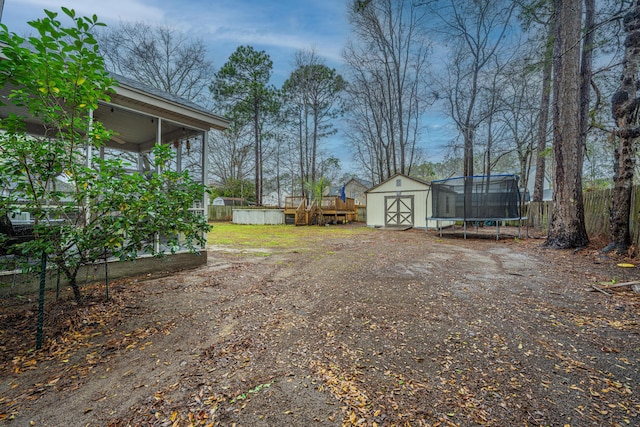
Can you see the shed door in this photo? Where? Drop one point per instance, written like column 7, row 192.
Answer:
column 398, row 211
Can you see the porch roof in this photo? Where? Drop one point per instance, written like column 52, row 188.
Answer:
column 133, row 111
column 132, row 114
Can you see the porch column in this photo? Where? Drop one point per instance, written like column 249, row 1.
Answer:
column 156, row 237
column 205, row 169
column 88, row 154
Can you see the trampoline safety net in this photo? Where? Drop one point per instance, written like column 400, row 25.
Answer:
column 492, row 197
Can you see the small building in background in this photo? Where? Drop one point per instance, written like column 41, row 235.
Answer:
column 229, row 201
column 273, row 199
column 356, row 189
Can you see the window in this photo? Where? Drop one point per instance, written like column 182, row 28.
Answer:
column 398, row 182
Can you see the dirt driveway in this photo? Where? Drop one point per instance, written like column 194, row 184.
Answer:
column 382, row 328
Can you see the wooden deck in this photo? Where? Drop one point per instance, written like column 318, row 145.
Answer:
column 331, row 210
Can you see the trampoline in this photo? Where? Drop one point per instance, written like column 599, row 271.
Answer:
column 478, row 199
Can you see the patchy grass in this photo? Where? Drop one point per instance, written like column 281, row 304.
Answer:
column 276, row 236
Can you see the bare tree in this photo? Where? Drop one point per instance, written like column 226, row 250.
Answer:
column 538, row 16
column 159, row 56
column 476, row 32
column 520, row 115
column 229, row 154
column 387, row 60
column 509, row 115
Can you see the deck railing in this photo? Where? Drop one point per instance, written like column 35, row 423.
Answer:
column 328, row 203
column 293, row 202
column 331, row 208
column 336, row 204
column 301, row 211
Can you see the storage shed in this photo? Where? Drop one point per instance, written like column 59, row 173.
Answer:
column 229, row 201
column 400, row 201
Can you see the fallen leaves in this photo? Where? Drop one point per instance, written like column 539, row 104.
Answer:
column 393, row 336
column 78, row 340
column 345, row 386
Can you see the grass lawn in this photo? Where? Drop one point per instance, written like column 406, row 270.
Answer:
column 275, row 236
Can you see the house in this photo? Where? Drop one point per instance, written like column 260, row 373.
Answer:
column 399, row 201
column 141, row 116
column 356, row 188
column 274, row 199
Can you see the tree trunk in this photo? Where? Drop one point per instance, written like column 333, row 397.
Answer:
column 620, row 209
column 567, row 228
column 71, row 276
column 256, row 151
column 301, row 162
column 468, row 151
column 586, row 66
column 76, row 290
column 314, row 145
column 538, row 186
column 624, row 108
column 468, row 172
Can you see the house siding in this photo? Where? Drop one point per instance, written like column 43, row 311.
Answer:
column 357, row 191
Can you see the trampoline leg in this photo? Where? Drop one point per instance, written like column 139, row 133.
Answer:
column 497, row 230
column 465, row 229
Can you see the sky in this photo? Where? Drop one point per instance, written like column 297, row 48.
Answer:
column 279, row 27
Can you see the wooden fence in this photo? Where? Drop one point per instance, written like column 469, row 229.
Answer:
column 596, row 213
column 362, row 213
column 220, row 213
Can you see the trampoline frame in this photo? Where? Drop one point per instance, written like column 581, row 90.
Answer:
column 477, row 220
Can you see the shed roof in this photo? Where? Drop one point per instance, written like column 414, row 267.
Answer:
column 397, row 175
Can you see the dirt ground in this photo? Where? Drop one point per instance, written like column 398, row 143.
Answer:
column 384, row 328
